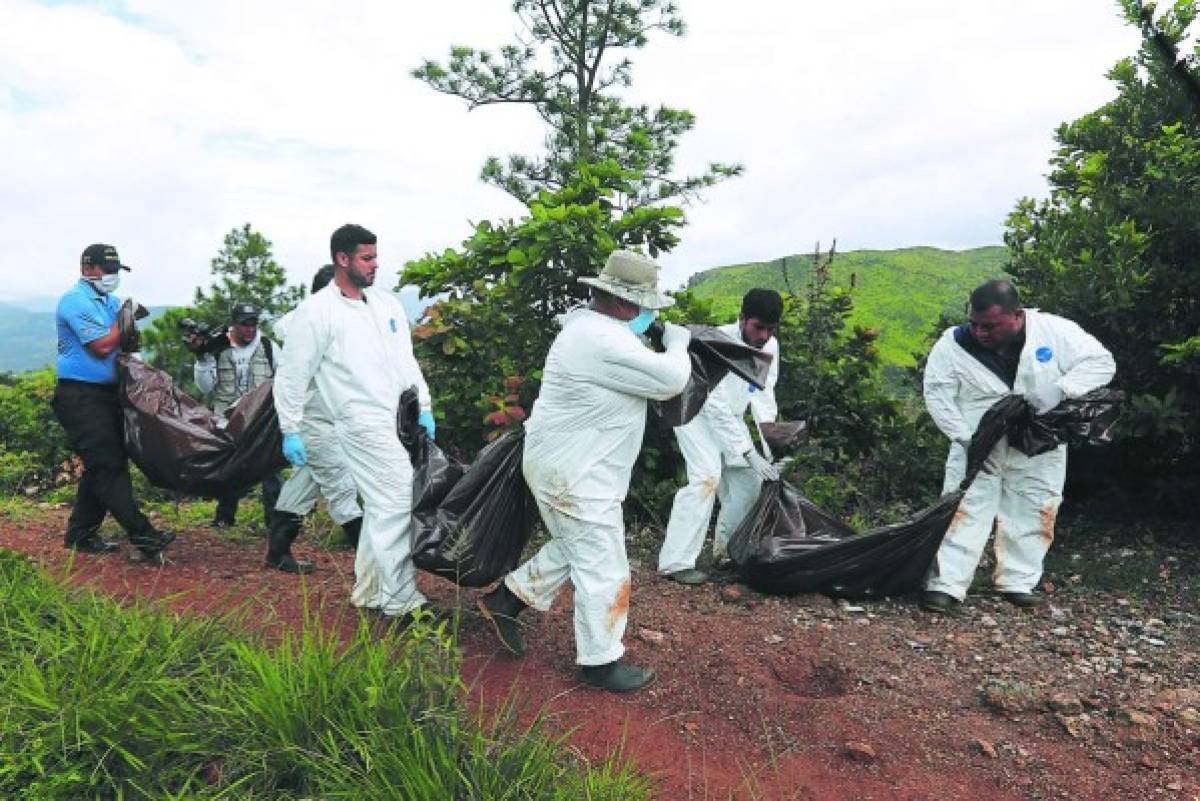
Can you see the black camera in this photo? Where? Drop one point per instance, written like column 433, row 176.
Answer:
column 211, row 340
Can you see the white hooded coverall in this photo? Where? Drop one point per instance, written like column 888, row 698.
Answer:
column 359, row 354
column 713, row 444
column 326, row 472
column 1018, row 493
column 581, row 441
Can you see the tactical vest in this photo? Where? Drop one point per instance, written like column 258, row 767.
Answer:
column 262, row 368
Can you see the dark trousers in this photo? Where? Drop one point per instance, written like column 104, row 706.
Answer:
column 91, row 415
column 227, row 504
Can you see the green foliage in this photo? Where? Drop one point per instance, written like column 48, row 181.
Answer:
column 1116, row 247
column 100, row 701
column 483, row 346
column 565, row 74
column 868, row 457
column 896, row 292
column 244, row 270
column 33, row 446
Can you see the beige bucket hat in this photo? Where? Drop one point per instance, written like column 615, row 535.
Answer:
column 632, row 277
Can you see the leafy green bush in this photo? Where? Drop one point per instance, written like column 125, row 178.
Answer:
column 100, row 701
column 33, row 446
column 483, row 348
column 1116, row 248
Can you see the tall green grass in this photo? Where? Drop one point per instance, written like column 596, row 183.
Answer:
column 103, row 701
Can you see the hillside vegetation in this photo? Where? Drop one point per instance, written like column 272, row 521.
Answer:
column 901, row 292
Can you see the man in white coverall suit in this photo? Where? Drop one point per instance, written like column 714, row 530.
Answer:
column 352, row 340
column 581, row 441
column 1004, row 350
column 722, row 463
column 324, row 474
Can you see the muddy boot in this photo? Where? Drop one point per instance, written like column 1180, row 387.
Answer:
column 618, row 677
column 285, row 526
column 500, row 608
column 352, row 529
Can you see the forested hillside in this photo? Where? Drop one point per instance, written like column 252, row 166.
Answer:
column 900, row 292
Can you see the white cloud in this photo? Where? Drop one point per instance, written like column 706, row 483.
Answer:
column 159, row 125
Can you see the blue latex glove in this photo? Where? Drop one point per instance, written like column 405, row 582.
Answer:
column 293, row 450
column 425, row 419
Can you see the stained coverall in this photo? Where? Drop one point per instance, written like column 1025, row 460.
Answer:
column 582, row 439
column 359, row 355
column 1020, row 494
column 713, row 444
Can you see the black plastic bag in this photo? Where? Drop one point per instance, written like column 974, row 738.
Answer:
column 714, row 355
column 1087, row 420
column 469, row 526
column 182, row 445
column 787, row 545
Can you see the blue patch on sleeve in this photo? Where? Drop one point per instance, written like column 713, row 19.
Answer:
column 392, row 323
column 1044, row 354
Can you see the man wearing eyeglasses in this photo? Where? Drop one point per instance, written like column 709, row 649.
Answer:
column 86, row 403
column 1002, row 350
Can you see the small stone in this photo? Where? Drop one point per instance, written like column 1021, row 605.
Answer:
column 1175, row 786
column 988, row 621
column 984, row 747
column 1060, row 631
column 772, row 639
column 1189, row 717
column 1149, row 762
column 919, row 643
column 651, row 636
column 1134, row 717
column 1075, row 726
column 1122, row 602
column 1065, row 703
column 732, row 594
column 860, row 752
column 1048, row 587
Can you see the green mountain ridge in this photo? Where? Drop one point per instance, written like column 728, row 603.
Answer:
column 901, row 292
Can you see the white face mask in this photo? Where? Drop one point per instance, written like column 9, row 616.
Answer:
column 106, row 283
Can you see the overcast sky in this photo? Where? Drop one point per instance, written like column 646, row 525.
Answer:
column 158, row 125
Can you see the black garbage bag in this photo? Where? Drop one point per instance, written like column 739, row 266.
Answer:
column 181, row 445
column 714, row 355
column 788, row 545
column 1086, row 420
column 783, row 437
column 469, row 526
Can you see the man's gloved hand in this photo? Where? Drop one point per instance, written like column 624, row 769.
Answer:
column 765, row 470
column 1044, row 398
column 426, row 421
column 675, row 336
column 293, row 450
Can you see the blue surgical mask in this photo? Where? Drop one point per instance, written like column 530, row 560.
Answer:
column 106, row 283
column 639, row 324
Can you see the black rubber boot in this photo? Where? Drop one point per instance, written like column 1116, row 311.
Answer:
column 617, row 677
column 89, row 541
column 500, row 607
column 152, row 543
column 352, row 529
column 285, row 527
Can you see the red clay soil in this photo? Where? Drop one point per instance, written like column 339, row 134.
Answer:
column 757, row 697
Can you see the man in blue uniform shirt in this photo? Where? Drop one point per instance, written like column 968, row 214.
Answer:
column 86, row 403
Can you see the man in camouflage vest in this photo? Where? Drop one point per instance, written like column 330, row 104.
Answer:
column 230, row 373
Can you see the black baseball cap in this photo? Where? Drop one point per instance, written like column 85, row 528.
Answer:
column 103, row 256
column 243, row 313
